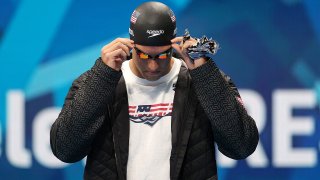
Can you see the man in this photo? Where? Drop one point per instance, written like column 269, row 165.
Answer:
column 151, row 117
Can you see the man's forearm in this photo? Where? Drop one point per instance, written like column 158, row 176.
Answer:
column 83, row 112
column 234, row 130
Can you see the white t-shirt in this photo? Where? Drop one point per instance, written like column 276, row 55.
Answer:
column 150, row 111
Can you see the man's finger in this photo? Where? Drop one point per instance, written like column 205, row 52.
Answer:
column 119, row 53
column 177, row 39
column 118, row 45
column 125, row 41
column 189, row 43
column 179, row 50
column 110, row 44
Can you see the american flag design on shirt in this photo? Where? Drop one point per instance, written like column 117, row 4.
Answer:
column 150, row 114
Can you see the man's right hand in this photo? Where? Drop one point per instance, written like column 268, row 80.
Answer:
column 114, row 53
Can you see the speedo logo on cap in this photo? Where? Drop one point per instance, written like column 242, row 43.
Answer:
column 154, row 33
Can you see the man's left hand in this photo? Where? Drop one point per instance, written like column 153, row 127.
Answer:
column 182, row 50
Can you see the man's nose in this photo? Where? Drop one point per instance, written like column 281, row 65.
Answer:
column 153, row 65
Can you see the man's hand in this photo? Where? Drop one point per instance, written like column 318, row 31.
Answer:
column 114, row 53
column 182, row 50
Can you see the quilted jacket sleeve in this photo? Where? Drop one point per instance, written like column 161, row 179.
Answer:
column 83, row 112
column 235, row 132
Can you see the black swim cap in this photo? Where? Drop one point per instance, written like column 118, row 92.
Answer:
column 152, row 24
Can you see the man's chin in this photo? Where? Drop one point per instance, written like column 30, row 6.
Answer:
column 152, row 76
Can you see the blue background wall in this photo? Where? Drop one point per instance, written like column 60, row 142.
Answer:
column 270, row 48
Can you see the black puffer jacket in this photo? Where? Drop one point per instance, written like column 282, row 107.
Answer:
column 94, row 122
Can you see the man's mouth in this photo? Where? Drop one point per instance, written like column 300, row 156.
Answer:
column 154, row 73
